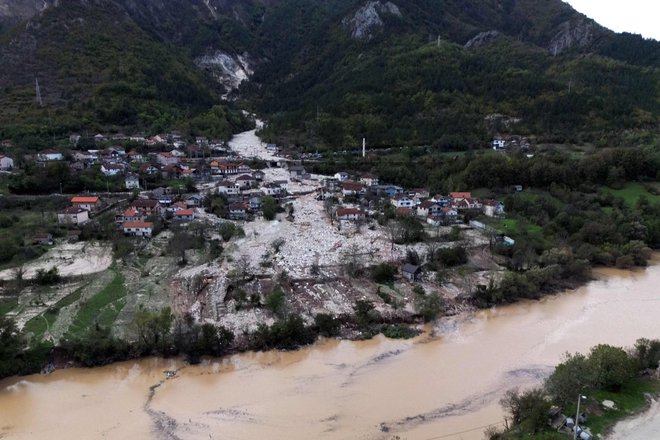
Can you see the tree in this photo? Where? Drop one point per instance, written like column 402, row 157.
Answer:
column 11, row 346
column 276, row 301
column 611, row 366
column 528, row 410
column 269, row 207
column 429, row 306
column 327, row 325
column 569, row 378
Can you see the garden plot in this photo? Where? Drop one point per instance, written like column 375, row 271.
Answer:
column 70, row 259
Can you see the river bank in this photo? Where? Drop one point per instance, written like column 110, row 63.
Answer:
column 441, row 383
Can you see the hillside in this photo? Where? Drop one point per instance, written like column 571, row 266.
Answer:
column 326, row 74
column 98, row 70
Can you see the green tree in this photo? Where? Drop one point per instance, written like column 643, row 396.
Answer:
column 528, row 410
column 569, row 378
column 269, row 207
column 611, row 366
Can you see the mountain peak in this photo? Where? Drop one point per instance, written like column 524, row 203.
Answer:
column 368, row 18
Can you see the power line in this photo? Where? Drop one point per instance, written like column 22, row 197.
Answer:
column 464, row 432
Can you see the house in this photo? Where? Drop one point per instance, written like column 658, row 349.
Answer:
column 491, row 208
column 448, row 215
column 349, row 215
column 229, row 188
column 88, row 203
column 246, row 181
column 49, row 155
column 73, row 215
column 178, row 206
column 331, row 184
column 138, row 228
column 147, row 206
column 201, row 141
column 6, row 163
column 388, row 190
column 166, row 158
column 130, row 215
column 258, row 175
column 148, row 169
column 341, row 176
column 42, row 238
column 272, row 148
column 132, row 181
column 135, row 156
column 297, row 171
column 410, row 272
column 273, row 189
column 404, row 212
column 111, row 169
column 350, row 188
column 369, row 180
column 99, row 137
column 171, row 171
column 402, row 201
column 255, row 203
column 428, row 208
column 194, row 201
column 460, row 195
column 184, row 215
column 238, row 211
column 498, row 144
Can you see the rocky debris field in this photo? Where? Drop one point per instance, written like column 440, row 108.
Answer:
column 70, row 259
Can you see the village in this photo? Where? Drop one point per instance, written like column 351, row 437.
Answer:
column 311, row 233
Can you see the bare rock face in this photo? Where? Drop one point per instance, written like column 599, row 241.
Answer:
column 572, row 35
column 13, row 11
column 481, row 39
column 228, row 70
column 369, row 18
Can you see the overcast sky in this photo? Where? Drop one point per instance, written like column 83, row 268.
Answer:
column 635, row 16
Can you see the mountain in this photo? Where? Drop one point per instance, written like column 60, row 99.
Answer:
column 98, row 69
column 327, row 73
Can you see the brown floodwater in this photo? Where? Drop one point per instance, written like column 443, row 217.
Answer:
column 445, row 384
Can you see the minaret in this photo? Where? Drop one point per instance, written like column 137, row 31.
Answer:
column 364, row 147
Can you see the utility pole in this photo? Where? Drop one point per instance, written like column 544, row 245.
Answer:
column 364, row 147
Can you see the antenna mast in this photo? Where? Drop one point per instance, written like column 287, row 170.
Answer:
column 38, row 92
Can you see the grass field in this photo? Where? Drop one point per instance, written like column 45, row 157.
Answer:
column 40, row 323
column 631, row 192
column 512, row 226
column 7, row 305
column 102, row 308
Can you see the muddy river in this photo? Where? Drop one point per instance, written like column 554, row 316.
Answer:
column 443, row 385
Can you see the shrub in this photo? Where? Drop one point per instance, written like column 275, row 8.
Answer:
column 383, row 273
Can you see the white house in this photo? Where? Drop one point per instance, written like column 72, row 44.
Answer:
column 166, row 158
column 402, row 201
column 349, row 188
column 73, row 215
column 229, row 188
column 341, row 176
column 132, row 181
column 184, row 215
column 6, row 163
column 111, row 169
column 49, row 155
column 88, row 203
column 273, row 189
column 138, row 228
column 491, row 208
column 369, row 180
column 498, row 144
column 349, row 214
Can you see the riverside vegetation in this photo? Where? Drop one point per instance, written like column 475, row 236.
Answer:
column 606, row 373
